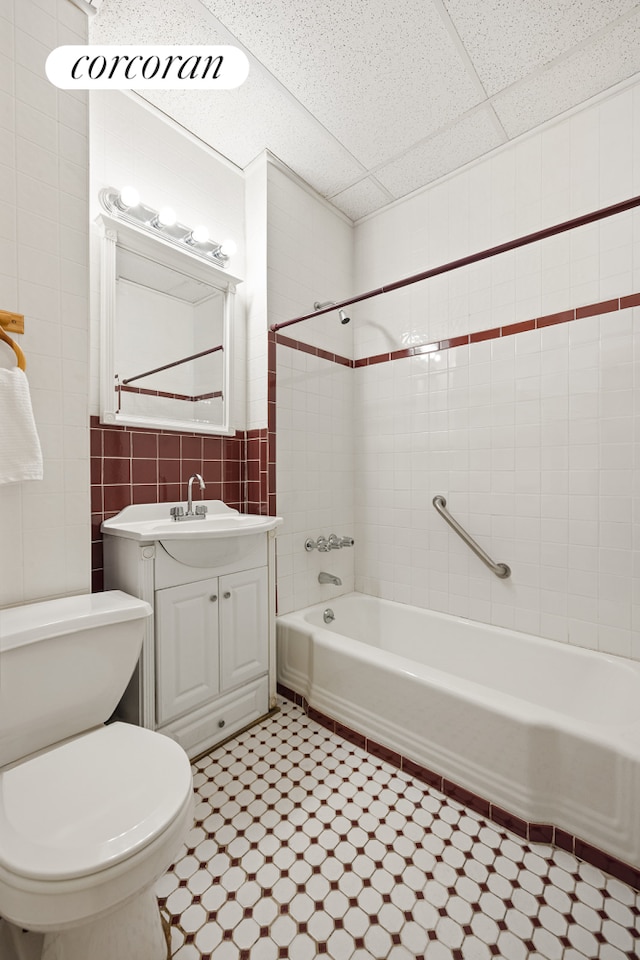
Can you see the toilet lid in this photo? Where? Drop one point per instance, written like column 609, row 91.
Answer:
column 88, row 803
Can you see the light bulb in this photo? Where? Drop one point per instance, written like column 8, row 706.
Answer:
column 199, row 234
column 129, row 197
column 228, row 248
column 167, row 216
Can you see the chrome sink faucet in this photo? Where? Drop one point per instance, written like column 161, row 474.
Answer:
column 177, row 513
column 196, row 476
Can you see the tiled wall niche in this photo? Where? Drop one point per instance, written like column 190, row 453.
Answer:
column 131, row 465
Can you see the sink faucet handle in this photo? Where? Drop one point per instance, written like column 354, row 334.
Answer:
column 201, row 509
column 176, row 512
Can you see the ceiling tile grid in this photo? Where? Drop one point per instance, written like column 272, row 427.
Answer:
column 469, row 138
column 368, row 100
column 377, row 75
column 362, row 198
column 594, row 67
column 508, row 39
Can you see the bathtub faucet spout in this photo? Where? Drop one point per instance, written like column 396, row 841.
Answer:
column 329, row 578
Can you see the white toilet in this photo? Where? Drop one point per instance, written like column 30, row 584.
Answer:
column 90, row 815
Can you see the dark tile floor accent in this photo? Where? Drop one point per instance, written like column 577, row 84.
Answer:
column 306, row 846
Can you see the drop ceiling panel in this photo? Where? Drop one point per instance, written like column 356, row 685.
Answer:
column 507, row 39
column 465, row 140
column 362, row 198
column 241, row 123
column 377, row 74
column 593, row 68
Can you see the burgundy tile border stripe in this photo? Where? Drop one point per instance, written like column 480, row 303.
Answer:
column 534, row 832
column 479, row 336
column 314, row 351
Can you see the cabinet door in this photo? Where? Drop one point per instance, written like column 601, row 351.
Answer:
column 244, row 626
column 187, row 647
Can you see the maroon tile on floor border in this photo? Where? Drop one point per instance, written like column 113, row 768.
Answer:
column 384, row 753
column 563, row 839
column 505, row 819
column 351, row 735
column 422, row 773
column 603, row 861
column 541, row 832
column 469, row 799
column 321, row 718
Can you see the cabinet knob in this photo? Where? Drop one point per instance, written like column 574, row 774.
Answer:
column 227, row 595
column 213, row 597
column 221, row 723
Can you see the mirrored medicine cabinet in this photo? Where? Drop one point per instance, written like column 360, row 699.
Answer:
column 166, row 334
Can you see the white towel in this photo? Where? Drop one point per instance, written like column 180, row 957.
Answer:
column 20, row 453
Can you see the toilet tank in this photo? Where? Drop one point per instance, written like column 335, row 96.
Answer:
column 64, row 664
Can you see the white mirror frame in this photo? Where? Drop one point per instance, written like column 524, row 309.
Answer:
column 115, row 233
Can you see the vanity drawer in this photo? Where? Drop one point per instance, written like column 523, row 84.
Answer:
column 204, row 728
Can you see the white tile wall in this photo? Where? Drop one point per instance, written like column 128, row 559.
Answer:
column 256, row 291
column 310, row 257
column 533, row 438
column 130, row 144
column 45, row 526
column 315, row 475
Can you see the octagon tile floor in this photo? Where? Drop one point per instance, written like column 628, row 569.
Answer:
column 306, row 846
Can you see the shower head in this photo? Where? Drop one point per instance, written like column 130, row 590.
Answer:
column 331, row 303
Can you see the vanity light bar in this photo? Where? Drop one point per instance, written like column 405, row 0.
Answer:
column 126, row 205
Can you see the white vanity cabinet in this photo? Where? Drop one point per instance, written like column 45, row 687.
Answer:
column 207, row 667
column 211, row 636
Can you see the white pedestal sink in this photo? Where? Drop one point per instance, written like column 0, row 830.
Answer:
column 207, row 541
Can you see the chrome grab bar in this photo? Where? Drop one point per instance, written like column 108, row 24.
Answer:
column 500, row 569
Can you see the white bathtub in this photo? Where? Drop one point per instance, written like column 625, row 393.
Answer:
column 545, row 731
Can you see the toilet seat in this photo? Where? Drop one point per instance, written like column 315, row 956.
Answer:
column 90, row 802
column 85, row 824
